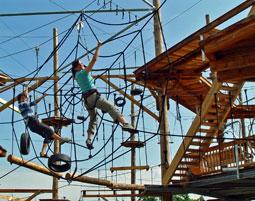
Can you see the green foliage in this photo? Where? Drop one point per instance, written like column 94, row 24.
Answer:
column 148, row 198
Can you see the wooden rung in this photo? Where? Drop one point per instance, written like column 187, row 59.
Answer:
column 133, row 144
column 57, row 121
column 122, row 168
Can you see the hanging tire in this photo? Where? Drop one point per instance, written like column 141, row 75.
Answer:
column 59, row 163
column 120, row 101
column 24, row 144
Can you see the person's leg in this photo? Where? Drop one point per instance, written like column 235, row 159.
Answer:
column 90, row 104
column 113, row 111
column 44, row 149
column 45, row 131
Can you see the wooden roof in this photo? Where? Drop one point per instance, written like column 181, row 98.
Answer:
column 181, row 67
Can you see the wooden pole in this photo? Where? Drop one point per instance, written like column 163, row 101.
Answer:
column 163, row 99
column 33, row 166
column 104, row 182
column 56, row 110
column 133, row 151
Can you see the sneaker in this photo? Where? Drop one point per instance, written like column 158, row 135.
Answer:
column 65, row 140
column 129, row 128
column 89, row 144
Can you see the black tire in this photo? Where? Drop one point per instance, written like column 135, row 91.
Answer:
column 136, row 91
column 120, row 101
column 59, row 163
column 24, row 144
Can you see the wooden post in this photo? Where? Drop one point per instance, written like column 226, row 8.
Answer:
column 56, row 110
column 163, row 113
column 133, row 151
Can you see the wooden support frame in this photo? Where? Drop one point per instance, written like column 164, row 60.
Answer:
column 31, row 88
column 33, row 166
column 131, row 98
column 12, row 107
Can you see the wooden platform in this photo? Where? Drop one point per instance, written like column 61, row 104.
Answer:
column 231, row 51
column 133, row 144
column 224, row 186
column 181, row 66
column 57, row 121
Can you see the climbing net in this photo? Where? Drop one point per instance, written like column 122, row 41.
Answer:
column 69, row 93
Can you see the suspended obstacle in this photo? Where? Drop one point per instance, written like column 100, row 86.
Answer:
column 57, row 122
column 123, row 168
column 133, row 144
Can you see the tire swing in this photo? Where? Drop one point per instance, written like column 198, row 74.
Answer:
column 119, row 101
column 59, row 163
column 24, row 143
column 136, row 91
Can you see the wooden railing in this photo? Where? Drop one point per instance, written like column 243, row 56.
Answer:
column 238, row 153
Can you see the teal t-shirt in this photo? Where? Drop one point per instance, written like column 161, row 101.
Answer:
column 85, row 80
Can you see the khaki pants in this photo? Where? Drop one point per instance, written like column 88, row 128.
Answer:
column 95, row 101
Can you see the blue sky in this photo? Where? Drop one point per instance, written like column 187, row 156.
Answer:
column 18, row 58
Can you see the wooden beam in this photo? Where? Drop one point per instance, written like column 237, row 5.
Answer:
column 33, row 166
column 104, row 182
column 33, row 196
column 31, row 88
column 24, row 79
column 10, row 106
column 25, row 190
column 131, row 99
column 89, row 180
column 5, row 88
column 242, row 74
column 123, row 168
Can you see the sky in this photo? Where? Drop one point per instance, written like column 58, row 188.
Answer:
column 20, row 36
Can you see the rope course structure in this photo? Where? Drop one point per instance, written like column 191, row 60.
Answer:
column 221, row 121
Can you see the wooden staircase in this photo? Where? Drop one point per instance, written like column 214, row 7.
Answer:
column 207, row 125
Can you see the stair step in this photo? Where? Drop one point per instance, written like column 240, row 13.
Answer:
column 180, row 174
column 202, row 130
column 197, row 143
column 188, row 162
column 212, row 124
column 182, row 168
column 228, row 88
column 193, row 155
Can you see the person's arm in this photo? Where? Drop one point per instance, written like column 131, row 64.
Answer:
column 38, row 99
column 93, row 61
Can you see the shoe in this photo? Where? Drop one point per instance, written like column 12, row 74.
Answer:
column 89, row 144
column 127, row 127
column 43, row 155
column 64, row 140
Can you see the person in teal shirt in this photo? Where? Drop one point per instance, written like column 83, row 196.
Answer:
column 92, row 98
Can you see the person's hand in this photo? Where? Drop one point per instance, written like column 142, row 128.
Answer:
column 99, row 43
